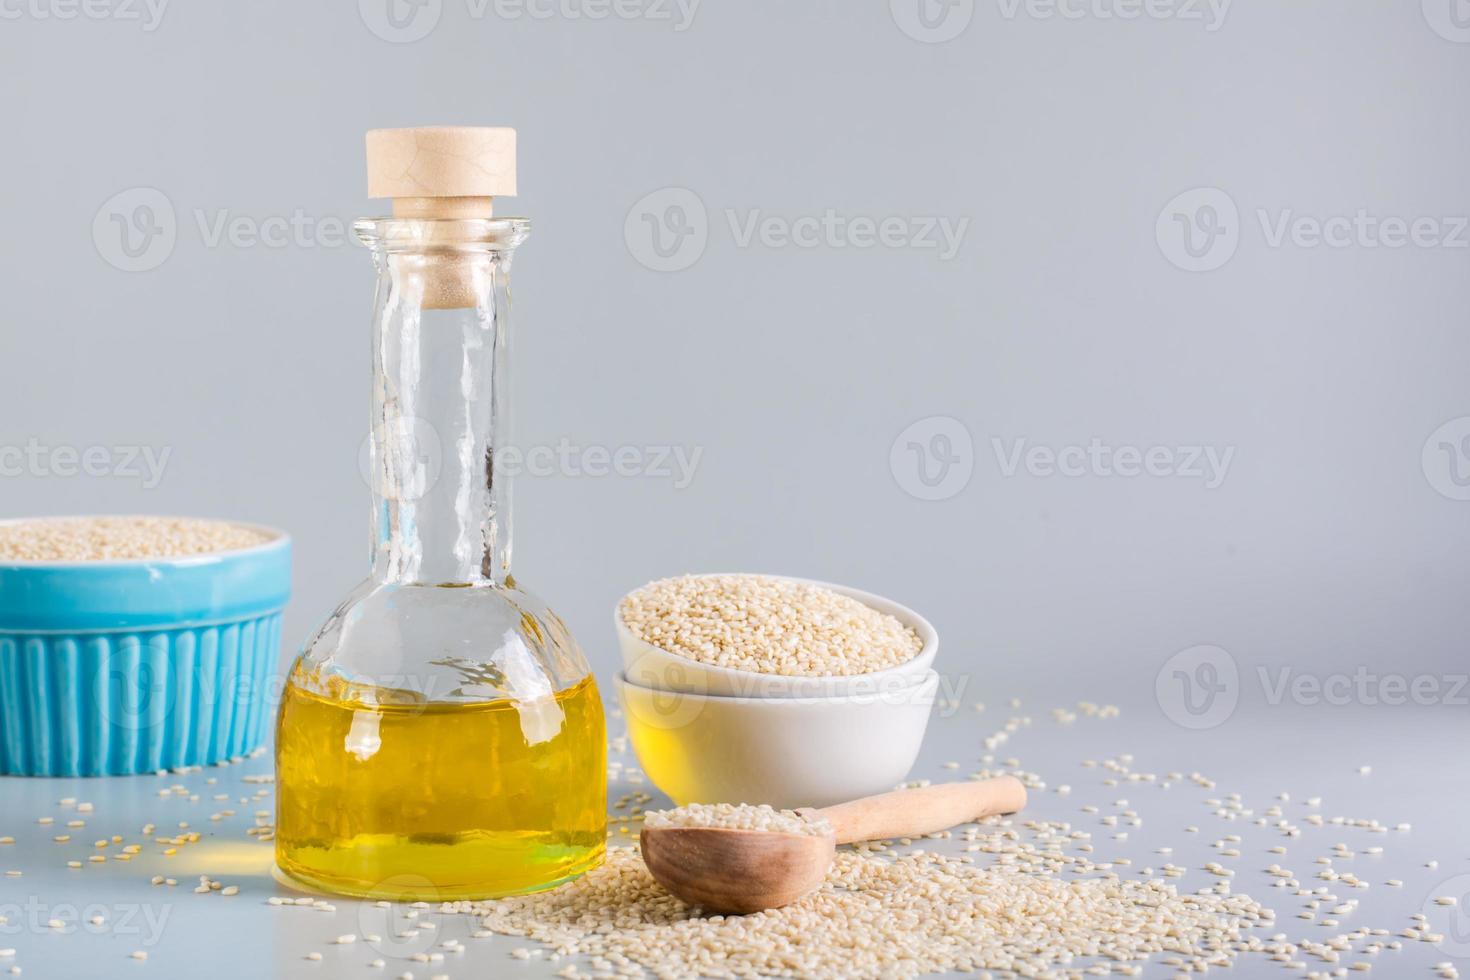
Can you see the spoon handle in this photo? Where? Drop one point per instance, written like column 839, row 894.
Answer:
column 915, row 812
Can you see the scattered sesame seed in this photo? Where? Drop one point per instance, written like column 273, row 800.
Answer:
column 903, row 908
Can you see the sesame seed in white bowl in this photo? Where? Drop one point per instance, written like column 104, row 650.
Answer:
column 747, row 635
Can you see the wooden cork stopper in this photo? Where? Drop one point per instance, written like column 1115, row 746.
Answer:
column 443, row 172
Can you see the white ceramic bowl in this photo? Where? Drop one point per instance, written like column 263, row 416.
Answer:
column 650, row 666
column 787, row 752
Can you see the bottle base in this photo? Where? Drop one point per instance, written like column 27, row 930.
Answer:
column 419, row 887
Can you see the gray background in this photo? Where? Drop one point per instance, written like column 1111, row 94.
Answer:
column 1334, row 547
column 1060, row 319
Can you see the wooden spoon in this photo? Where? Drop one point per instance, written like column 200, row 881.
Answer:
column 743, row 871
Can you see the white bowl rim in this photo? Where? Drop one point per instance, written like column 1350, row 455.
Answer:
column 930, row 676
column 927, row 634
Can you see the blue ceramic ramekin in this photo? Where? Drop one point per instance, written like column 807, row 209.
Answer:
column 117, row 667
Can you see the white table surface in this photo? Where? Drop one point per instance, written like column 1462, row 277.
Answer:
column 1418, row 776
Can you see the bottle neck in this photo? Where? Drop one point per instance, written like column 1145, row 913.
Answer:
column 441, row 502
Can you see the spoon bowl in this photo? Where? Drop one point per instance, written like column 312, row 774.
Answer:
column 736, row 872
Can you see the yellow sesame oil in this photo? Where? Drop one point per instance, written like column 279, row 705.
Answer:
column 434, row 801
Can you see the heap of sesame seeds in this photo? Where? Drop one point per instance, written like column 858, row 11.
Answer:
column 884, row 916
column 767, row 625
column 741, row 816
column 114, row 538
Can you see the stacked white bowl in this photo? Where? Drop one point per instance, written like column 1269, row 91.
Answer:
column 707, row 734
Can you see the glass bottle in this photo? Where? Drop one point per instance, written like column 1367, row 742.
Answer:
column 441, row 737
